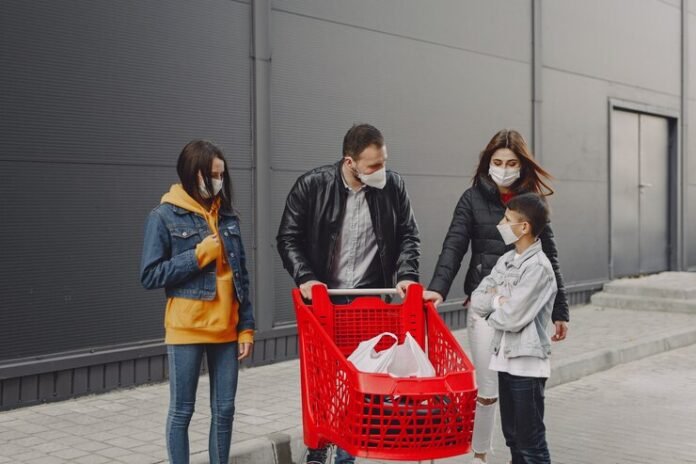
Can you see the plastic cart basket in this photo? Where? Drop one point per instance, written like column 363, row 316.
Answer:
column 376, row 415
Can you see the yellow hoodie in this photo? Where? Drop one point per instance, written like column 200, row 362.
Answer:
column 190, row 321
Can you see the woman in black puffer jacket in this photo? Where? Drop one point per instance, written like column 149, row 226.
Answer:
column 506, row 168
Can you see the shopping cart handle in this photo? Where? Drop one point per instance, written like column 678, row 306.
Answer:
column 361, row 291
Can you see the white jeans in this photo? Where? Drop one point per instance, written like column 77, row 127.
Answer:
column 480, row 335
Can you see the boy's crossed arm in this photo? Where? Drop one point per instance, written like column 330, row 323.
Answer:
column 511, row 314
column 482, row 297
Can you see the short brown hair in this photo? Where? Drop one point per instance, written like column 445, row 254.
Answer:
column 534, row 209
column 359, row 137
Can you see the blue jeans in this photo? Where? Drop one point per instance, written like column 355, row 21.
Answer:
column 184, row 370
column 522, row 417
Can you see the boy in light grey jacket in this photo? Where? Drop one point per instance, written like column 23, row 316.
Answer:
column 516, row 299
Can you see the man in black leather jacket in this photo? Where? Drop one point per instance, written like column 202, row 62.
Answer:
column 350, row 225
column 312, row 231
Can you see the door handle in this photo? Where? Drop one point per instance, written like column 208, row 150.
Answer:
column 644, row 185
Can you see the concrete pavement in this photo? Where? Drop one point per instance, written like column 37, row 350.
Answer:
column 642, row 412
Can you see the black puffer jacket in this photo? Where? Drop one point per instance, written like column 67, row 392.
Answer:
column 312, row 222
column 475, row 218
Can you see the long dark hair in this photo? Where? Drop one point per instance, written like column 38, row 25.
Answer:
column 198, row 155
column 533, row 178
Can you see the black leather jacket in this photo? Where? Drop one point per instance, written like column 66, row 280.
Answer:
column 312, row 222
column 474, row 221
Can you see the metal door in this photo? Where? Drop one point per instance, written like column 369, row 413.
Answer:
column 639, row 193
column 653, row 197
column 625, row 213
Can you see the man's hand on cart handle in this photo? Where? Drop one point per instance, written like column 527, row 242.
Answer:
column 306, row 288
column 402, row 286
column 435, row 297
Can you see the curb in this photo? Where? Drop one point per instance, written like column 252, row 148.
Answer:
column 288, row 448
column 643, row 303
column 601, row 360
column 271, row 449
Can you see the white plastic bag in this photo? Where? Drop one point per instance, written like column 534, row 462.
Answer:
column 405, row 360
column 410, row 360
column 366, row 359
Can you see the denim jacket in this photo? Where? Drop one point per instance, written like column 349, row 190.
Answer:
column 529, row 285
column 169, row 259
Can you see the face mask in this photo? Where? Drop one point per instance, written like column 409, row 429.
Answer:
column 217, row 186
column 504, row 177
column 377, row 179
column 506, row 232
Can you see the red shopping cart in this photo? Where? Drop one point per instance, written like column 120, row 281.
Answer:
column 376, row 415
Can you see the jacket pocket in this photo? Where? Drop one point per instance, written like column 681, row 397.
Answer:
column 185, row 233
column 512, row 278
column 184, row 238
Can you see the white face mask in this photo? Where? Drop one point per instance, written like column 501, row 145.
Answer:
column 217, row 186
column 506, row 232
column 377, row 179
column 504, row 177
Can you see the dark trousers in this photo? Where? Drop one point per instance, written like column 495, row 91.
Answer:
column 522, row 417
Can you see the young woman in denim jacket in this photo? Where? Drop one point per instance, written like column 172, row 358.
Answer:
column 506, row 168
column 193, row 249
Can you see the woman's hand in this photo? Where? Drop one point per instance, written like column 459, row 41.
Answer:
column 561, row 331
column 208, row 250
column 435, row 297
column 245, row 350
column 211, row 240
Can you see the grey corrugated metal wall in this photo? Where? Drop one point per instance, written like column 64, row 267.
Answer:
column 100, row 97
column 592, row 52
